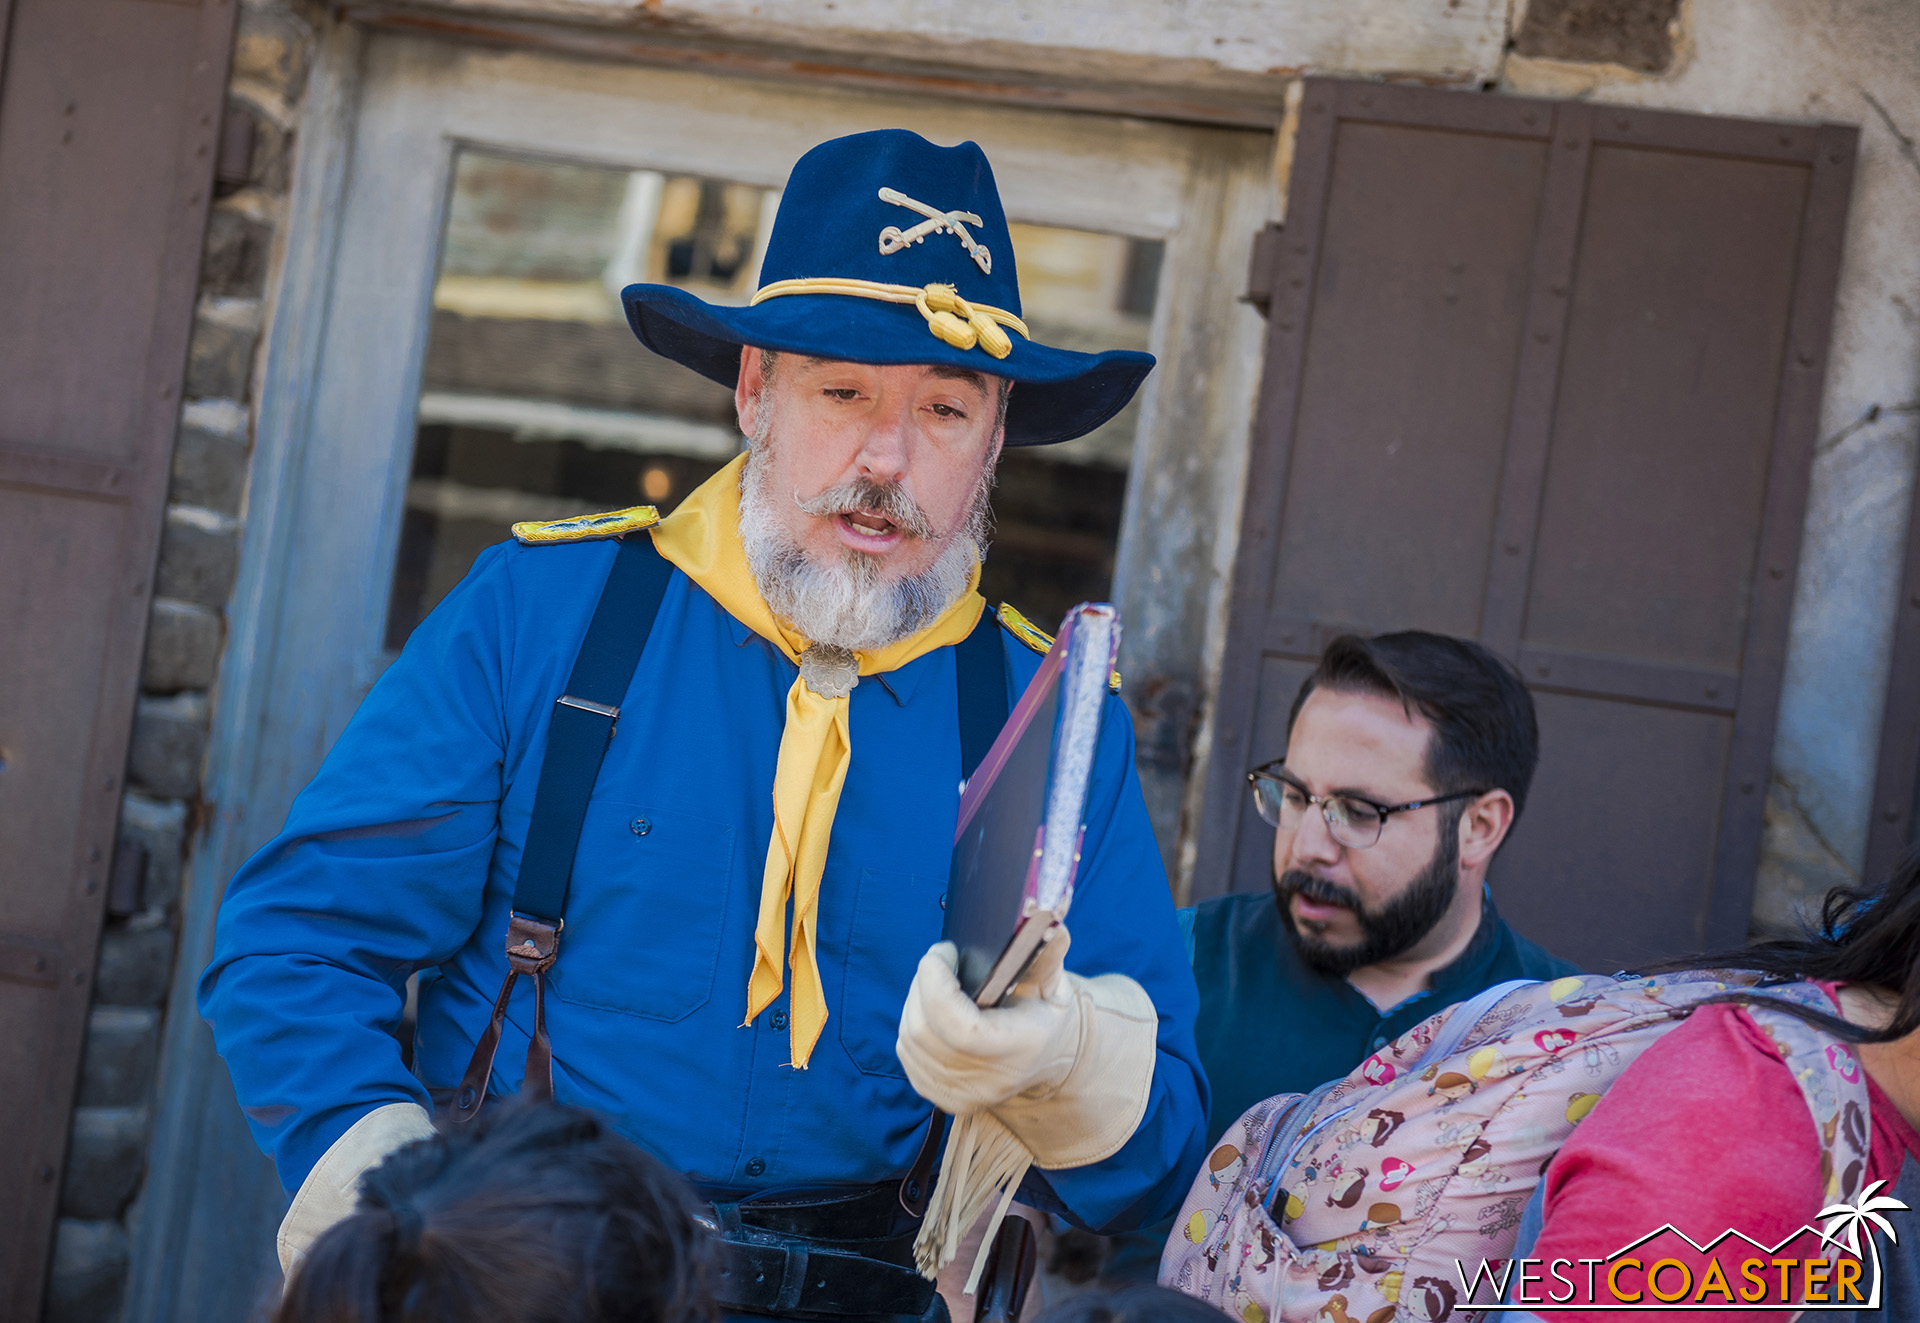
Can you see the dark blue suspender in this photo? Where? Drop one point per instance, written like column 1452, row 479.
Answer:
column 981, row 668
column 584, row 721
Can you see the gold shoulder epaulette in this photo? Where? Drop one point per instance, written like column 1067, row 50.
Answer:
column 581, row 527
column 1035, row 637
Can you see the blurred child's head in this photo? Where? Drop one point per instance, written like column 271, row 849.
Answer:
column 534, row 1213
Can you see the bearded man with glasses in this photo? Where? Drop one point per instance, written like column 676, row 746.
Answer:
column 1408, row 759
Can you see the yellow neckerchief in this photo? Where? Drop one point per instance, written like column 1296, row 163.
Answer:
column 702, row 538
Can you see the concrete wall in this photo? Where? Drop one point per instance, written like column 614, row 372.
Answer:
column 1852, row 61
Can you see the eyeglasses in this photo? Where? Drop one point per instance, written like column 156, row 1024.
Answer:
column 1352, row 821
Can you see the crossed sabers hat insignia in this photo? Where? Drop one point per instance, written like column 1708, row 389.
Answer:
column 893, row 238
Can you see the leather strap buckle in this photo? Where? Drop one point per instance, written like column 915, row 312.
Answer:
column 532, row 944
column 532, row 947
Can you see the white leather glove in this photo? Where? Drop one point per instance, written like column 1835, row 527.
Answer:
column 961, row 1058
column 1066, row 1064
column 331, row 1191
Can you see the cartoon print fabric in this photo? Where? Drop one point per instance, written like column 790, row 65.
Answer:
column 1352, row 1204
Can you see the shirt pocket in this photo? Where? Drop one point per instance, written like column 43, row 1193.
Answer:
column 896, row 917
column 646, row 911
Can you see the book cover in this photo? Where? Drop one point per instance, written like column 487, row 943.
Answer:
column 1016, row 848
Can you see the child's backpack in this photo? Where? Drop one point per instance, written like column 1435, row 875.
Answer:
column 1353, row 1203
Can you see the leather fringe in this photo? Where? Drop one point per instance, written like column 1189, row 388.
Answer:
column 983, row 1160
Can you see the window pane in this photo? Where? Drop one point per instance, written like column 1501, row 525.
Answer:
column 538, row 403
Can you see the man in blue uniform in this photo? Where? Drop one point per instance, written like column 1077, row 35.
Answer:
column 761, row 868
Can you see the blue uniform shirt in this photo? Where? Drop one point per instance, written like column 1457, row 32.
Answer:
column 401, row 856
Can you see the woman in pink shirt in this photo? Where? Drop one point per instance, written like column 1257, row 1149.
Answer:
column 1708, row 1131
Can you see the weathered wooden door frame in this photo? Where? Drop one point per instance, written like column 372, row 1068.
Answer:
column 1575, row 128
column 202, row 1155
column 133, row 484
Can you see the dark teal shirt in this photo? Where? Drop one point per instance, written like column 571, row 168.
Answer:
column 1268, row 1024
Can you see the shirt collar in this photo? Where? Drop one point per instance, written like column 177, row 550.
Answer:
column 1480, row 948
column 1466, row 970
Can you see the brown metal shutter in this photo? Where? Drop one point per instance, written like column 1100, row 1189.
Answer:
column 109, row 112
column 1546, row 375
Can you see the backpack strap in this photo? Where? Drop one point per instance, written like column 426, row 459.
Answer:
column 1461, row 1019
column 1298, row 1125
column 1832, row 1084
column 584, row 720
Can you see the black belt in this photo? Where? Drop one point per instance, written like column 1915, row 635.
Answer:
column 838, row 1253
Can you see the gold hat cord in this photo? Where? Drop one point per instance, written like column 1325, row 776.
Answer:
column 953, row 319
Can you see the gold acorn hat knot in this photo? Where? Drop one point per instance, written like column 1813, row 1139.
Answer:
column 959, row 323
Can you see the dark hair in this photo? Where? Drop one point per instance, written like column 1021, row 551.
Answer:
column 535, row 1212
column 1867, row 935
column 1484, row 733
column 1130, row 1304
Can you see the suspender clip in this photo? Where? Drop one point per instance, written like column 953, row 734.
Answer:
column 586, row 705
column 612, row 714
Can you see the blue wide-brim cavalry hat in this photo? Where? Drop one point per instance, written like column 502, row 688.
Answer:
column 889, row 249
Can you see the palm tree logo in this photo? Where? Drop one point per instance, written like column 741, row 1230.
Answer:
column 1844, row 1222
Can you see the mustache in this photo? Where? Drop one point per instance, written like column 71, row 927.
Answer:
column 1295, row 882
column 889, row 500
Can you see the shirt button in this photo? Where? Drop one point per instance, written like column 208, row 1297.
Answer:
column 756, row 1166
column 943, row 900
column 641, row 826
column 1379, row 1043
column 778, row 1019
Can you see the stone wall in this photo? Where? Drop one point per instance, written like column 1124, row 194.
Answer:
column 179, row 682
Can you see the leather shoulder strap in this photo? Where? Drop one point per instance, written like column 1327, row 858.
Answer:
column 584, row 719
column 981, row 665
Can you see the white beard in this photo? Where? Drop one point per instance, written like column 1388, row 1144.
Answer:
column 848, row 602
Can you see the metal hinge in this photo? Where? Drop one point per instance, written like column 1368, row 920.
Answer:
column 1263, row 268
